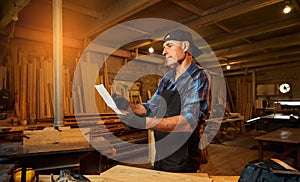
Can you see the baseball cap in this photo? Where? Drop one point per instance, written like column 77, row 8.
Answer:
column 181, row 35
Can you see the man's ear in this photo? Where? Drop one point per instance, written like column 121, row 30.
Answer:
column 185, row 46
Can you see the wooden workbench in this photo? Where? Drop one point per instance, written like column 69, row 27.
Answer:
column 223, row 125
column 289, row 137
column 133, row 174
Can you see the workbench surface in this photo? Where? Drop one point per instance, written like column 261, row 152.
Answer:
column 133, row 174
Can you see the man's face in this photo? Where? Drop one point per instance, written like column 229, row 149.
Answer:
column 173, row 53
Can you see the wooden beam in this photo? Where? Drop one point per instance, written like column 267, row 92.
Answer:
column 81, row 9
column 262, row 57
column 119, row 11
column 46, row 37
column 188, row 6
column 296, row 4
column 270, row 62
column 77, row 8
column 223, row 6
column 281, row 65
column 253, row 30
column 198, row 11
column 145, row 43
column 230, row 31
column 13, row 8
column 109, row 50
column 213, row 15
column 288, row 40
column 259, row 58
column 224, row 28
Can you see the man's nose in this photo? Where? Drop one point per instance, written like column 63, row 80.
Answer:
column 164, row 52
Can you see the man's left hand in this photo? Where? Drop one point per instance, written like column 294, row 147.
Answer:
column 133, row 120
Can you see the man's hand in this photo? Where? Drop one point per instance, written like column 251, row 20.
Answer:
column 133, row 120
column 121, row 102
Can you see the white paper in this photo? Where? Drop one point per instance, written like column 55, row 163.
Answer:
column 107, row 98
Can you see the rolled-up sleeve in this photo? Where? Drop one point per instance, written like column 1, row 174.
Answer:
column 194, row 98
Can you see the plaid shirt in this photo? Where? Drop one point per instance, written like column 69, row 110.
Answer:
column 193, row 87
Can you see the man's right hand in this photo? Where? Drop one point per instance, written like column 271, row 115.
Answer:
column 121, row 102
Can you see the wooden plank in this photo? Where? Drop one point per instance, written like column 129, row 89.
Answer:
column 99, row 178
column 50, row 92
column 34, row 90
column 225, row 178
column 41, row 90
column 105, row 73
column 11, row 60
column 49, row 81
column 46, row 81
column 29, row 89
column 51, row 136
column 79, row 99
column 100, row 104
column 89, row 73
column 67, row 92
column 71, row 106
column 3, row 77
column 196, row 174
column 23, row 89
column 151, row 143
column 17, row 79
column 134, row 174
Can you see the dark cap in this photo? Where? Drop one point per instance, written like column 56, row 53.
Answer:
column 181, row 35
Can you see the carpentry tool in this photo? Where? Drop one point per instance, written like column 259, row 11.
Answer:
column 66, row 176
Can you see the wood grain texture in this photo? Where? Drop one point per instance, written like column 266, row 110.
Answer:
column 134, row 174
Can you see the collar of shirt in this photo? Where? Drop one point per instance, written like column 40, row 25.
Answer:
column 188, row 72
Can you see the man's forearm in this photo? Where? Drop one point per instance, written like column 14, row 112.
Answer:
column 138, row 109
column 170, row 124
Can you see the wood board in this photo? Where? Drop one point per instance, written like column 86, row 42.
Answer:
column 50, row 135
column 134, row 174
column 99, row 178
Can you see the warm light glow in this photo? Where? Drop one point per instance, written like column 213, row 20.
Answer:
column 15, row 17
column 228, row 67
column 287, row 9
column 151, row 50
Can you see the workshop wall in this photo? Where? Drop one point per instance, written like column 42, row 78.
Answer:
column 282, row 75
column 274, row 76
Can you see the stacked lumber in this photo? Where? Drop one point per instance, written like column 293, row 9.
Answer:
column 109, row 133
column 30, row 78
column 114, row 135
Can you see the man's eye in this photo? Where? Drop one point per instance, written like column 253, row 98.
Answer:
column 169, row 45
